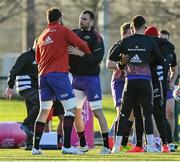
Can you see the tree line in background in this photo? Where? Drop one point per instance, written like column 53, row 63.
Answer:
column 26, row 19
column 165, row 13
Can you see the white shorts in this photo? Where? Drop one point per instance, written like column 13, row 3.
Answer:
column 81, row 97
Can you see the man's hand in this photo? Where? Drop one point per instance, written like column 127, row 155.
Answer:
column 8, row 93
column 75, row 51
column 124, row 59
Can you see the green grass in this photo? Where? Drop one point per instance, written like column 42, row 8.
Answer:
column 93, row 155
column 14, row 110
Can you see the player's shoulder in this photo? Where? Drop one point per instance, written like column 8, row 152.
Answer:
column 97, row 35
column 118, row 43
column 76, row 30
column 63, row 28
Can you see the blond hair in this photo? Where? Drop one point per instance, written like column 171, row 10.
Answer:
column 124, row 28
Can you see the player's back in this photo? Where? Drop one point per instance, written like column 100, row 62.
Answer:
column 52, row 49
column 141, row 49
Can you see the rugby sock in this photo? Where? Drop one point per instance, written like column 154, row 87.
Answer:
column 127, row 132
column 59, row 138
column 150, row 139
column 118, row 141
column 105, row 139
column 112, row 129
column 157, row 140
column 82, row 139
column 169, row 133
column 115, row 127
column 138, row 138
column 39, row 128
column 59, row 141
column 67, row 126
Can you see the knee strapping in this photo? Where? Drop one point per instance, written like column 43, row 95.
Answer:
column 70, row 112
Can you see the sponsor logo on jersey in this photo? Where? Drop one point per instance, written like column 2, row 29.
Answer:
column 135, row 59
column 87, row 37
column 48, row 40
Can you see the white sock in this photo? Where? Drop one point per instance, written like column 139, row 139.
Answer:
column 118, row 140
column 150, row 139
column 157, row 140
column 134, row 138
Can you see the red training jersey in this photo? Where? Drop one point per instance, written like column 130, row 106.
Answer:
column 51, row 49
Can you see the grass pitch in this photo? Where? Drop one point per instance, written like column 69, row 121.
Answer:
column 14, row 110
column 21, row 155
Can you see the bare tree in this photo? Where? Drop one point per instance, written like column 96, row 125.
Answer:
column 9, row 9
column 28, row 29
column 27, row 10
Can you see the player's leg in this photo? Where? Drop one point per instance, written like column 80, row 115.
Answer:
column 48, row 124
column 31, row 97
column 94, row 96
column 46, row 95
column 139, row 127
column 146, row 101
column 116, row 90
column 170, row 104
column 79, row 123
column 79, row 85
column 45, row 107
column 127, row 105
column 128, row 130
column 62, row 87
column 59, row 112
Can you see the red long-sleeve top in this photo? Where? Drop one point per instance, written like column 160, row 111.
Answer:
column 51, row 49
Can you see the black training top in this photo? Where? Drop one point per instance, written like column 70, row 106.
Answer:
column 141, row 50
column 88, row 64
column 24, row 72
column 167, row 51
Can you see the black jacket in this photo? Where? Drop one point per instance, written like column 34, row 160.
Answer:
column 167, row 51
column 141, row 50
column 24, row 72
column 88, row 64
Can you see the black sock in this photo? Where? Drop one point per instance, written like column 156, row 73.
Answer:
column 115, row 127
column 82, row 139
column 126, row 133
column 67, row 126
column 39, row 128
column 105, row 140
column 139, row 140
column 59, row 138
column 169, row 133
column 139, row 132
column 59, row 141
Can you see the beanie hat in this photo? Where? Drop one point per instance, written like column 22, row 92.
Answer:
column 151, row 31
